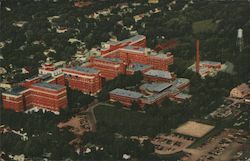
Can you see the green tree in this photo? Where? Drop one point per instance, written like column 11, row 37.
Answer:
column 134, row 106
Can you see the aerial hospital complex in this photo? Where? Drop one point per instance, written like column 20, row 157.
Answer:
column 48, row 89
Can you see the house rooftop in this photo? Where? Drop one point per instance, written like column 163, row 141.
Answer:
column 159, row 74
column 2, row 70
column 55, row 87
column 243, row 88
column 126, row 93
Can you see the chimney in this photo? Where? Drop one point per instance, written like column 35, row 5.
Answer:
column 197, row 65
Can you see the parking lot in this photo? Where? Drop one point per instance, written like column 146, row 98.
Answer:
column 171, row 144
column 222, row 147
column 228, row 109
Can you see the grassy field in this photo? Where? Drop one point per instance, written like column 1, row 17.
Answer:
column 204, row 26
column 126, row 122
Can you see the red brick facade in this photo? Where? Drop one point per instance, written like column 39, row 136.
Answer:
column 138, row 40
column 109, row 67
column 42, row 95
column 47, row 98
column 125, row 97
column 13, row 102
column 121, row 57
column 84, row 79
column 117, row 57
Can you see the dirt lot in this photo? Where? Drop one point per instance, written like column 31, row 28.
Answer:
column 195, row 129
column 77, row 125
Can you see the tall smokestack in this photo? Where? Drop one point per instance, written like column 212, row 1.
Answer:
column 239, row 41
column 197, row 65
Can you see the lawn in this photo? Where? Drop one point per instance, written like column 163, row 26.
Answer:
column 204, row 26
column 126, row 122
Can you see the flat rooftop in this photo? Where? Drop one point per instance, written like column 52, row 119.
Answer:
column 138, row 66
column 183, row 96
column 148, row 51
column 194, row 129
column 208, row 62
column 204, row 67
column 83, row 69
column 112, row 42
column 32, row 77
column 160, row 55
column 154, row 97
column 159, row 74
column 16, row 91
column 130, row 40
column 113, row 60
column 180, row 81
column 173, row 90
column 126, row 93
column 54, row 87
column 135, row 38
column 155, row 87
column 45, row 76
column 135, row 49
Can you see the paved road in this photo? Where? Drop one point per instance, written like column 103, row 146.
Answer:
column 91, row 115
column 237, row 100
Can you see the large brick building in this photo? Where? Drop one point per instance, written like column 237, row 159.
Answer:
column 126, row 97
column 135, row 67
column 145, row 56
column 137, row 54
column 111, row 46
column 13, row 99
column 52, row 97
column 49, row 96
column 117, row 57
column 151, row 93
column 46, row 91
column 85, row 79
column 109, row 67
column 48, row 68
column 158, row 76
